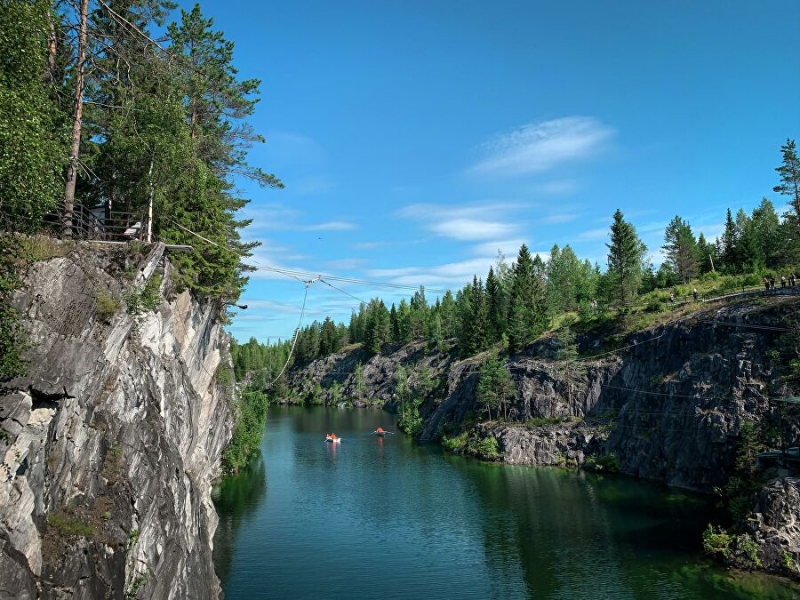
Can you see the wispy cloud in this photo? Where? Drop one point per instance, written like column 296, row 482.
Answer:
column 452, row 275
column 540, row 147
column 329, row 226
column 277, row 217
column 311, row 186
column 556, row 218
column 559, row 187
column 464, row 223
column 593, row 234
column 509, row 248
column 293, row 147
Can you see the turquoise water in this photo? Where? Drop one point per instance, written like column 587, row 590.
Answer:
column 388, row 518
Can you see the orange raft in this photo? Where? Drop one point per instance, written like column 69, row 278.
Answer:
column 332, row 438
column 380, row 432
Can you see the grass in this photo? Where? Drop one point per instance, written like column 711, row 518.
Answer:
column 69, row 526
column 40, row 247
column 107, row 306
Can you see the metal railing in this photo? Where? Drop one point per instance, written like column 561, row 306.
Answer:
column 97, row 223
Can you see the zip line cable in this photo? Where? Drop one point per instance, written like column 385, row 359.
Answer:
column 342, row 291
column 296, row 333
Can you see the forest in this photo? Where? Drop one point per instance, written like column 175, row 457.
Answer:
column 110, row 113
column 519, row 301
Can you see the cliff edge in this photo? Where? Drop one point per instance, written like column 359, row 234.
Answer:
column 111, row 440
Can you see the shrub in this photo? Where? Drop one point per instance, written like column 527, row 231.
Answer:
column 107, row 306
column 607, row 463
column 251, row 421
column 717, row 542
column 147, row 299
column 69, row 526
column 749, row 547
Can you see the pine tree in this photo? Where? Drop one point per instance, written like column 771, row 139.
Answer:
column 479, row 319
column 680, row 249
column 707, row 254
column 495, row 387
column 519, row 305
column 625, row 259
column 496, row 307
column 730, row 242
column 789, row 173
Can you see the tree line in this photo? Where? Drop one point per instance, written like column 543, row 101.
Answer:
column 517, row 302
column 95, row 110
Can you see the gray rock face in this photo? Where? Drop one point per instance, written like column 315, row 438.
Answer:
column 668, row 403
column 774, row 525
column 111, row 440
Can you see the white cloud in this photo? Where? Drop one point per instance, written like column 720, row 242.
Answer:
column 309, row 186
column 560, row 187
column 465, row 223
column 509, row 248
column 593, row 234
column 471, row 229
column 560, row 218
column 329, row 226
column 452, row 275
column 540, row 147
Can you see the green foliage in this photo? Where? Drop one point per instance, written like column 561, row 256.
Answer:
column 473, row 444
column 40, row 247
column 681, row 250
column 224, row 375
column 626, row 254
column 107, row 305
column 133, row 538
column 137, row 584
column 605, row 463
column 251, row 419
column 69, row 525
column 788, row 562
column 147, row 299
column 359, row 385
column 410, row 420
column 496, row 388
column 31, row 148
column 717, row 542
column 12, row 336
column 749, row 547
column 738, row 492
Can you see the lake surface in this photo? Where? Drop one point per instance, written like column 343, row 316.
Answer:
column 387, row 518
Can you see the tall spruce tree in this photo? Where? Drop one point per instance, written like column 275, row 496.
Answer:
column 730, row 254
column 789, row 172
column 479, row 319
column 680, row 249
column 527, row 317
column 495, row 306
column 626, row 254
column 789, row 186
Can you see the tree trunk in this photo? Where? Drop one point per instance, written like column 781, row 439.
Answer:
column 52, row 49
column 77, row 118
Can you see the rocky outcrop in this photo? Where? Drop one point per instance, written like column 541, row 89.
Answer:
column 111, row 440
column 666, row 404
column 774, row 527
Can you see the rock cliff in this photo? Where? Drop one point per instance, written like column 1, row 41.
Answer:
column 665, row 404
column 112, row 438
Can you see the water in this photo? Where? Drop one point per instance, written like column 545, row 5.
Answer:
column 387, row 518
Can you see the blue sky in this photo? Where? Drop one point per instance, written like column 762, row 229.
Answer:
column 418, row 138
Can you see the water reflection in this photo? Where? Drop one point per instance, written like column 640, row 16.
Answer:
column 385, row 517
column 235, row 499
